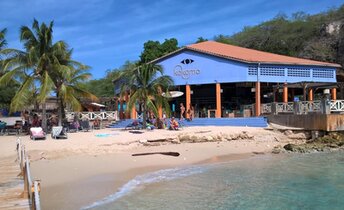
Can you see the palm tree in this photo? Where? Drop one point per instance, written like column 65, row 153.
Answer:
column 68, row 77
column 3, row 44
column 43, row 64
column 34, row 65
column 145, row 85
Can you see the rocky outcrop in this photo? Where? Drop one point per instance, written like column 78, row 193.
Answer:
column 329, row 142
column 298, row 135
column 198, row 138
column 214, row 137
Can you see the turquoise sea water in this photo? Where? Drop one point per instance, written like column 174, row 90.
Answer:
column 296, row 181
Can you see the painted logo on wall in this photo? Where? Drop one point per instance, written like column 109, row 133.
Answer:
column 185, row 73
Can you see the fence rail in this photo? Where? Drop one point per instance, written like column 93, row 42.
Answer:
column 31, row 188
column 301, row 107
column 337, row 106
column 108, row 115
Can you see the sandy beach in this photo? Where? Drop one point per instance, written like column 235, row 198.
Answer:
column 85, row 167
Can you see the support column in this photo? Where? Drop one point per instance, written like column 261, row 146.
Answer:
column 292, row 94
column 310, row 94
column 334, row 93
column 188, row 100
column 160, row 112
column 275, row 94
column 127, row 112
column 257, row 108
column 121, row 108
column 218, row 100
column 160, row 106
column 285, row 93
column 133, row 113
column 116, row 105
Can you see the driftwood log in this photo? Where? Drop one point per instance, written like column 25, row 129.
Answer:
column 175, row 154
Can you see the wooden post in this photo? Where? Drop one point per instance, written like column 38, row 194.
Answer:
column 188, row 100
column 285, row 93
column 257, row 93
column 26, row 182
column 334, row 93
column 310, row 94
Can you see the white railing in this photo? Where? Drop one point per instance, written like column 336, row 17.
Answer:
column 285, row 107
column 106, row 115
column 337, row 106
column 310, row 106
column 303, row 107
column 266, row 108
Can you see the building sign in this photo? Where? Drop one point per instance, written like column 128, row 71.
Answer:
column 185, row 73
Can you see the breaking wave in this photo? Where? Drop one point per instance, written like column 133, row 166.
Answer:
column 154, row 177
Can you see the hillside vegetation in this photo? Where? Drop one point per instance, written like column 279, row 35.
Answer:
column 318, row 37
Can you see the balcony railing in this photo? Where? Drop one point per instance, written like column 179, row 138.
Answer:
column 301, row 107
column 108, row 115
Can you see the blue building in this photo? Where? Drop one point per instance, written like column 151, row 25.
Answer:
column 218, row 79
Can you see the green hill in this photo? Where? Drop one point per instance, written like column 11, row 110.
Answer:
column 318, row 37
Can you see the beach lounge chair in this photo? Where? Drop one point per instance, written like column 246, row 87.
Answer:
column 58, row 132
column 12, row 130
column 37, row 133
column 85, row 125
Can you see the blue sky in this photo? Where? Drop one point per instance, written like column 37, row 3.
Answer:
column 106, row 33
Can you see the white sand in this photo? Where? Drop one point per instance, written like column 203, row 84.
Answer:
column 85, row 168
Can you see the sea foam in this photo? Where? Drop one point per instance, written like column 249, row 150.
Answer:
column 141, row 180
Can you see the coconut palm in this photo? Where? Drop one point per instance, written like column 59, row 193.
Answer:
column 68, row 77
column 3, row 44
column 145, row 85
column 33, row 65
column 43, row 64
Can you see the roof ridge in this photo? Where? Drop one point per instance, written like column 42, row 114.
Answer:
column 252, row 55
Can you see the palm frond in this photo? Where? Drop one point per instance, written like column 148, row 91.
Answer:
column 23, row 95
column 46, row 87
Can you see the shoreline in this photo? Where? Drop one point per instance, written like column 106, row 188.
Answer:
column 76, row 172
column 85, row 190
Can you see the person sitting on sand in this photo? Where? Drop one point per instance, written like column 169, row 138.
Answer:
column 173, row 124
column 96, row 123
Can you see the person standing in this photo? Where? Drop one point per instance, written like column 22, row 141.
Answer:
column 182, row 111
column 192, row 112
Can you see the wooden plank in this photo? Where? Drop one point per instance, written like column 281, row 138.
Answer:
column 11, row 186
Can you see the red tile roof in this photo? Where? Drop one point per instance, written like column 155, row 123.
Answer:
column 252, row 56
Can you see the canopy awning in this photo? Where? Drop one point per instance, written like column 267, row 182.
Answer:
column 96, row 104
column 172, row 94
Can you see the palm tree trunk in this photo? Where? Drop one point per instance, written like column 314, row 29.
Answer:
column 60, row 111
column 44, row 116
column 144, row 112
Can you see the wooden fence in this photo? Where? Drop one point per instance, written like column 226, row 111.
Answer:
column 31, row 188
